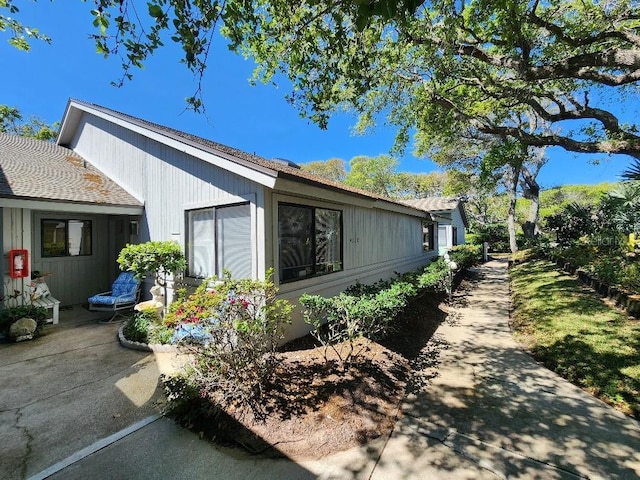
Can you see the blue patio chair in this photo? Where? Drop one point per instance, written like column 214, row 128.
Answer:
column 123, row 295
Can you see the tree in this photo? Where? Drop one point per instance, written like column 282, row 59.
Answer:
column 20, row 34
column 11, row 121
column 332, row 169
column 374, row 174
column 633, row 172
column 432, row 67
column 420, row 185
column 159, row 258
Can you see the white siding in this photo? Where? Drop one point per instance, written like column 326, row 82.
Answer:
column 376, row 244
column 165, row 179
column 15, row 221
column 161, row 176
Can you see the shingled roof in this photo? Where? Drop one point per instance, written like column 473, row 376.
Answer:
column 277, row 168
column 439, row 205
column 38, row 170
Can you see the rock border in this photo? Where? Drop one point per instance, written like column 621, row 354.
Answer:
column 144, row 347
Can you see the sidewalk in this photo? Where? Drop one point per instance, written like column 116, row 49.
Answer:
column 486, row 410
column 493, row 404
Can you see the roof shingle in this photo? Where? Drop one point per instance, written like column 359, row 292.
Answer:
column 36, row 169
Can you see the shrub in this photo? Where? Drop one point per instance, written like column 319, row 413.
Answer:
column 630, row 277
column 348, row 317
column 11, row 314
column 137, row 327
column 466, row 255
column 238, row 325
column 159, row 258
column 435, row 277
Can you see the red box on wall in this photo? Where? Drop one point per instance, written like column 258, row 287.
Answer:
column 18, row 263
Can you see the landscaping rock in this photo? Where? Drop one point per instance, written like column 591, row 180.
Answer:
column 23, row 329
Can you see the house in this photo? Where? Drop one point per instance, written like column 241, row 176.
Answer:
column 68, row 215
column 450, row 216
column 131, row 180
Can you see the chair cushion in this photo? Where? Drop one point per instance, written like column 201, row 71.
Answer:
column 125, row 285
column 102, row 300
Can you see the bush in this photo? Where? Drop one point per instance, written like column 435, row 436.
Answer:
column 137, row 328
column 435, row 277
column 233, row 330
column 11, row 314
column 348, row 317
column 466, row 255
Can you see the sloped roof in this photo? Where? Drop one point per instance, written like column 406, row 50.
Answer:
column 439, row 205
column 275, row 168
column 40, row 170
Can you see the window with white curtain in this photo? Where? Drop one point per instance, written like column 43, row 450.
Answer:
column 219, row 238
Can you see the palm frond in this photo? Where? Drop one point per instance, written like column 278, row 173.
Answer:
column 633, row 172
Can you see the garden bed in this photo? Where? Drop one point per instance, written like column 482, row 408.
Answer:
column 312, row 408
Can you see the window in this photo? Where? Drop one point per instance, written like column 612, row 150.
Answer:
column 310, row 241
column 66, row 238
column 454, row 235
column 219, row 238
column 428, row 236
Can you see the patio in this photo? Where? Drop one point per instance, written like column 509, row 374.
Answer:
column 70, row 387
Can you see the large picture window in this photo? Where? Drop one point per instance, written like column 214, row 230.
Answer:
column 219, row 238
column 66, row 238
column 310, row 241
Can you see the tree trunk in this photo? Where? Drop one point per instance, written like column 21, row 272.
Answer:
column 512, row 184
column 532, row 192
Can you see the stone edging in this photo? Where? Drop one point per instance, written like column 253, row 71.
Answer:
column 144, row 347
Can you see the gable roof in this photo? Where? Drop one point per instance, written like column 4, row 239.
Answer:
column 268, row 168
column 439, row 205
column 32, row 169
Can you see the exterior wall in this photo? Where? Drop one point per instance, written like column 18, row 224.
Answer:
column 445, row 231
column 376, row 244
column 167, row 180
column 74, row 279
column 456, row 221
column 16, row 234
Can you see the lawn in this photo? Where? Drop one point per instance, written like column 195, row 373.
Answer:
column 568, row 328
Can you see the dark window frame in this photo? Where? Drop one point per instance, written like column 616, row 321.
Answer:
column 314, row 271
column 428, row 238
column 66, row 221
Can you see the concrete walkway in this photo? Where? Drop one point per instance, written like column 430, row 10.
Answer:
column 481, row 408
column 493, row 404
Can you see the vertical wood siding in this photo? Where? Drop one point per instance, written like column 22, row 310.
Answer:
column 74, row 279
column 376, row 244
column 161, row 176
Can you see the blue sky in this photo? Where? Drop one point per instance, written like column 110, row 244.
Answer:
column 254, row 119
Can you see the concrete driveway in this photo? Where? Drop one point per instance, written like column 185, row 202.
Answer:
column 67, row 389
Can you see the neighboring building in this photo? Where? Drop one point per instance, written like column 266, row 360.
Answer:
column 451, row 217
column 130, row 180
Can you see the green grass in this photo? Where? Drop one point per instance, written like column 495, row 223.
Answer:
column 571, row 331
